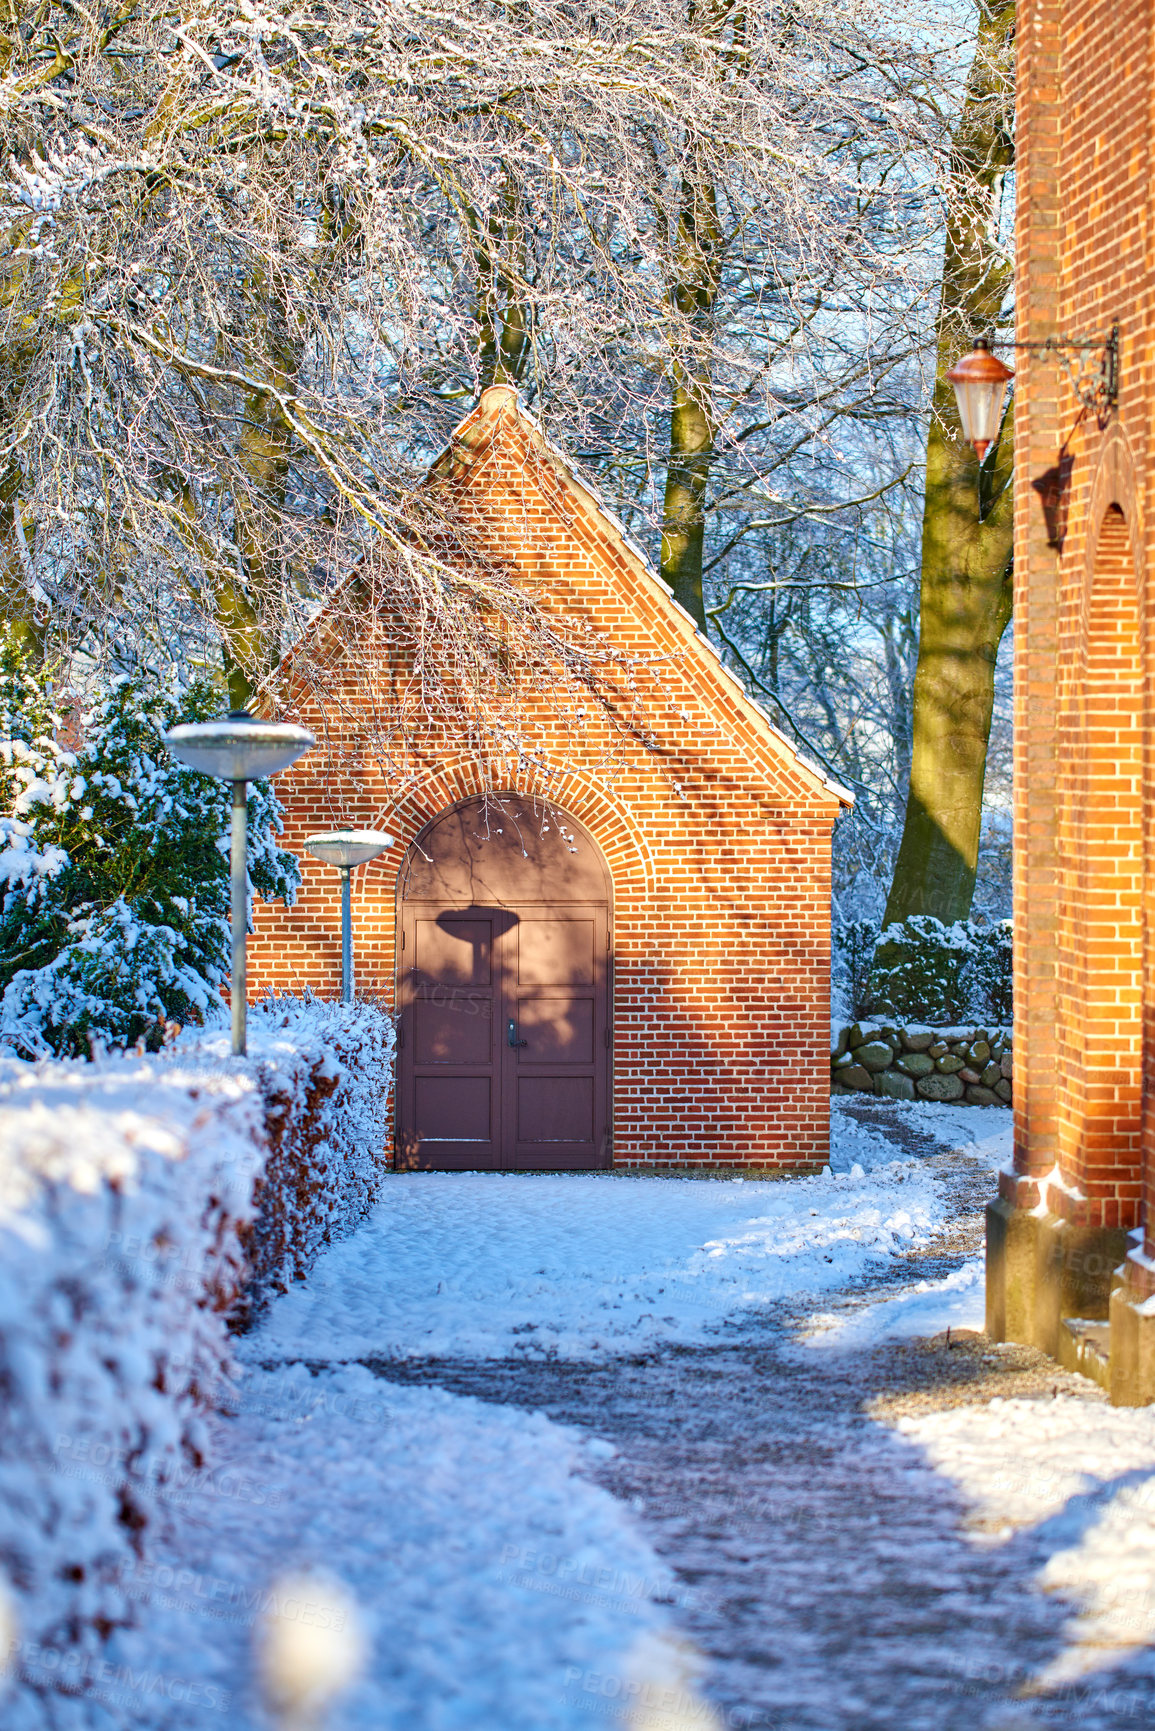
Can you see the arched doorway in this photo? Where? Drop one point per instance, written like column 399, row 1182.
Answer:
column 503, row 992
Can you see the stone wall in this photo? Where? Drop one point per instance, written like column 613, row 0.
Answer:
column 968, row 1066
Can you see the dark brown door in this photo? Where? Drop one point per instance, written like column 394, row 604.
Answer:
column 451, row 1083
column 553, row 972
column 504, row 1033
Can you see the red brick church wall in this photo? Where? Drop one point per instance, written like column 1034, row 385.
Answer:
column 1083, row 989
column 719, row 846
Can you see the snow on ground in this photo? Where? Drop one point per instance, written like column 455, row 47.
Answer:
column 929, row 1306
column 1082, row 1476
column 494, row 1579
column 983, row 1130
column 487, row 1265
column 490, row 1576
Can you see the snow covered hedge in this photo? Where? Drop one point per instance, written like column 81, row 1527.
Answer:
column 324, row 1122
column 142, row 1199
column 921, row 970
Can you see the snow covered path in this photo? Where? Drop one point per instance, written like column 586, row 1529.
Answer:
column 591, row 1452
column 836, row 1582
column 425, row 1506
column 484, row 1265
column 933, row 1536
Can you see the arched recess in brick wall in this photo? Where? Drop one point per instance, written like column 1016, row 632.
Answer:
column 1101, row 858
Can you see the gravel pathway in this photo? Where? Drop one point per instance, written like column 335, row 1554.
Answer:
column 830, row 1578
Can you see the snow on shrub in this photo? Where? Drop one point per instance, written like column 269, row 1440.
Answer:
column 853, row 943
column 114, row 875
column 990, row 970
column 135, row 1194
column 919, row 970
column 924, row 971
column 324, row 1124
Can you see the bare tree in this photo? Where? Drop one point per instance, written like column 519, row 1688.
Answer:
column 967, row 530
column 791, row 307
column 260, row 257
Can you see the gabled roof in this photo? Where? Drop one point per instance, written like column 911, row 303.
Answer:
column 468, row 444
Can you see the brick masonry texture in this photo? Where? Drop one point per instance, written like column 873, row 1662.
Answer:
column 1084, row 997
column 718, row 843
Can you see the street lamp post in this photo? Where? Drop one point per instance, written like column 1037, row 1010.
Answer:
column 239, row 748
column 980, row 383
column 347, row 848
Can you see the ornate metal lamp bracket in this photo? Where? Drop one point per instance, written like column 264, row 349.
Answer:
column 1096, row 386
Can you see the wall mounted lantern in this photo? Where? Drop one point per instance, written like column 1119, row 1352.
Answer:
column 238, row 748
column 980, row 382
column 347, row 848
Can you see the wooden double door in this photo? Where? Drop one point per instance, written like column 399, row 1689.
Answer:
column 504, row 1025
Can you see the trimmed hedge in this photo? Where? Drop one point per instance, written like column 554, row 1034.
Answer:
column 921, row 970
column 148, row 1204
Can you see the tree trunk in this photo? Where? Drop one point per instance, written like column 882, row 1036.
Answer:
column 501, row 317
column 17, row 603
column 694, row 295
column 245, row 613
column 967, row 520
column 249, row 612
column 245, row 649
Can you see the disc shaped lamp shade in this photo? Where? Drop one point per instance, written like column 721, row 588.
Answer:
column 348, row 847
column 238, row 746
column 980, row 383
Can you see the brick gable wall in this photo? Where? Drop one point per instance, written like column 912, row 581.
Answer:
column 718, row 845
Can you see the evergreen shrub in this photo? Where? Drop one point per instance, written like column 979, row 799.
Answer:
column 920, row 970
column 114, row 865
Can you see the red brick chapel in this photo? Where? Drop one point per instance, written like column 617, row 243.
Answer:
column 589, row 967
column 1071, row 1240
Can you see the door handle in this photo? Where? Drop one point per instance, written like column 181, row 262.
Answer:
column 511, row 1034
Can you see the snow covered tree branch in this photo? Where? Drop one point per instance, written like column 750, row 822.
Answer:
column 258, row 258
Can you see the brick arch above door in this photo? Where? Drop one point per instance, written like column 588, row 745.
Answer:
column 508, row 847
column 1113, row 485
column 608, row 818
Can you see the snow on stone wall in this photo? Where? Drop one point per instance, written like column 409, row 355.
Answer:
column 142, row 1199
column 967, row 1066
